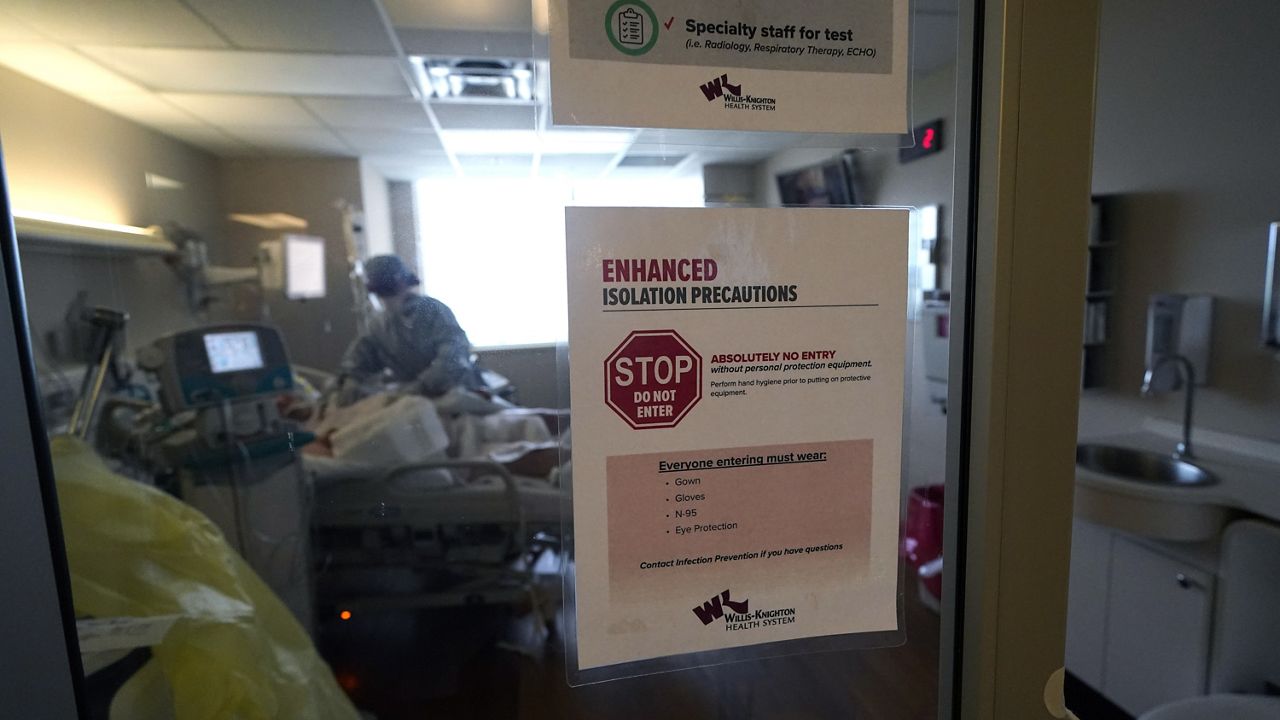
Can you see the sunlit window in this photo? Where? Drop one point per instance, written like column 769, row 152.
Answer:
column 493, row 248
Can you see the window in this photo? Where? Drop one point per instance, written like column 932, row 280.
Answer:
column 493, row 248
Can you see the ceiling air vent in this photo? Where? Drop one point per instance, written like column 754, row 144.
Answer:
column 462, row 80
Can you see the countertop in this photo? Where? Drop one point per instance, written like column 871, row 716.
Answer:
column 1248, row 471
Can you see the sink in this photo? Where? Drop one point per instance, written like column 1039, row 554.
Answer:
column 1142, row 466
column 1148, row 493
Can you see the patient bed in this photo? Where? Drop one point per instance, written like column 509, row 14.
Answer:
column 440, row 531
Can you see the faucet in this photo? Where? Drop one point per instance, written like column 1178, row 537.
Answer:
column 1183, row 451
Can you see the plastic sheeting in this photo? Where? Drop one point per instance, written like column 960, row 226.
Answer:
column 134, row 551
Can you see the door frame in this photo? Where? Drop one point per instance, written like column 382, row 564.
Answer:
column 1021, row 216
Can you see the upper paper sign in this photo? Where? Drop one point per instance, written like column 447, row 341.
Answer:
column 737, row 393
column 836, row 66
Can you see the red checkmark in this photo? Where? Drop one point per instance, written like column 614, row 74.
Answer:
column 668, row 23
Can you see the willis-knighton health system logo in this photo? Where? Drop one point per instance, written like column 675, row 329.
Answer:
column 738, row 616
column 734, row 98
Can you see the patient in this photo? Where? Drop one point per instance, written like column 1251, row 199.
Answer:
column 416, row 338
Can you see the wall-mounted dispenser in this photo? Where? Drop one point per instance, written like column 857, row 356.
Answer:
column 1178, row 325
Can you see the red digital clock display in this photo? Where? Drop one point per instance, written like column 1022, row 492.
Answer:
column 928, row 140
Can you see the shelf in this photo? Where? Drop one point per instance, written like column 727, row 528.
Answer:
column 52, row 234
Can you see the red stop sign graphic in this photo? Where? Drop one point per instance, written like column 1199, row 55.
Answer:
column 653, row 379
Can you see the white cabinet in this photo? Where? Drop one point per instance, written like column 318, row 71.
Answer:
column 1159, row 615
column 1139, row 617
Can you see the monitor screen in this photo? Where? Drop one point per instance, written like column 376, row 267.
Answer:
column 303, row 267
column 826, row 184
column 233, row 351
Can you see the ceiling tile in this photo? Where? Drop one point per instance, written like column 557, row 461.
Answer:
column 245, row 110
column 496, row 165
column 143, row 23
column 468, row 116
column 336, row 26
column 370, row 113
column 205, row 71
column 210, row 139
column 372, row 142
column 299, row 140
column 574, row 166
column 411, row 167
column 507, row 44
column 12, row 30
column 145, row 108
column 461, row 14
column 64, row 69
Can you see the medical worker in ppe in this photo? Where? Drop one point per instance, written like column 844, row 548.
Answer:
column 416, row 338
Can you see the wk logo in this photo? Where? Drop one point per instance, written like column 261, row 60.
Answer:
column 714, row 608
column 717, row 88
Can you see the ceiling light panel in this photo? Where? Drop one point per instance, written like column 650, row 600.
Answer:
column 141, row 23
column 461, row 14
column 203, row 71
column 327, row 26
column 483, row 80
column 372, row 142
column 460, row 116
column 370, row 113
column 245, row 110
column 294, row 140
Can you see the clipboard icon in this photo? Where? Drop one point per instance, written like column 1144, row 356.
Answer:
column 631, row 29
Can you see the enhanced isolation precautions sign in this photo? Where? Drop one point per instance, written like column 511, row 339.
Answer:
column 737, row 393
column 836, row 66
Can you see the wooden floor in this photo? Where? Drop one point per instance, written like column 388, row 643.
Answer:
column 453, row 664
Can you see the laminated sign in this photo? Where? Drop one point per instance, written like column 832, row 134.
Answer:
column 816, row 66
column 737, row 395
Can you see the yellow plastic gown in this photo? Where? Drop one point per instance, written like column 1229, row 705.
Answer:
column 135, row 551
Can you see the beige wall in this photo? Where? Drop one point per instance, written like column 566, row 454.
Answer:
column 65, row 156
column 317, row 331
column 1187, row 100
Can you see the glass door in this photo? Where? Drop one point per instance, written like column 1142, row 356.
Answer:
column 289, row 400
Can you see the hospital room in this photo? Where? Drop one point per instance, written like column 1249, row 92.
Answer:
column 294, row 275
